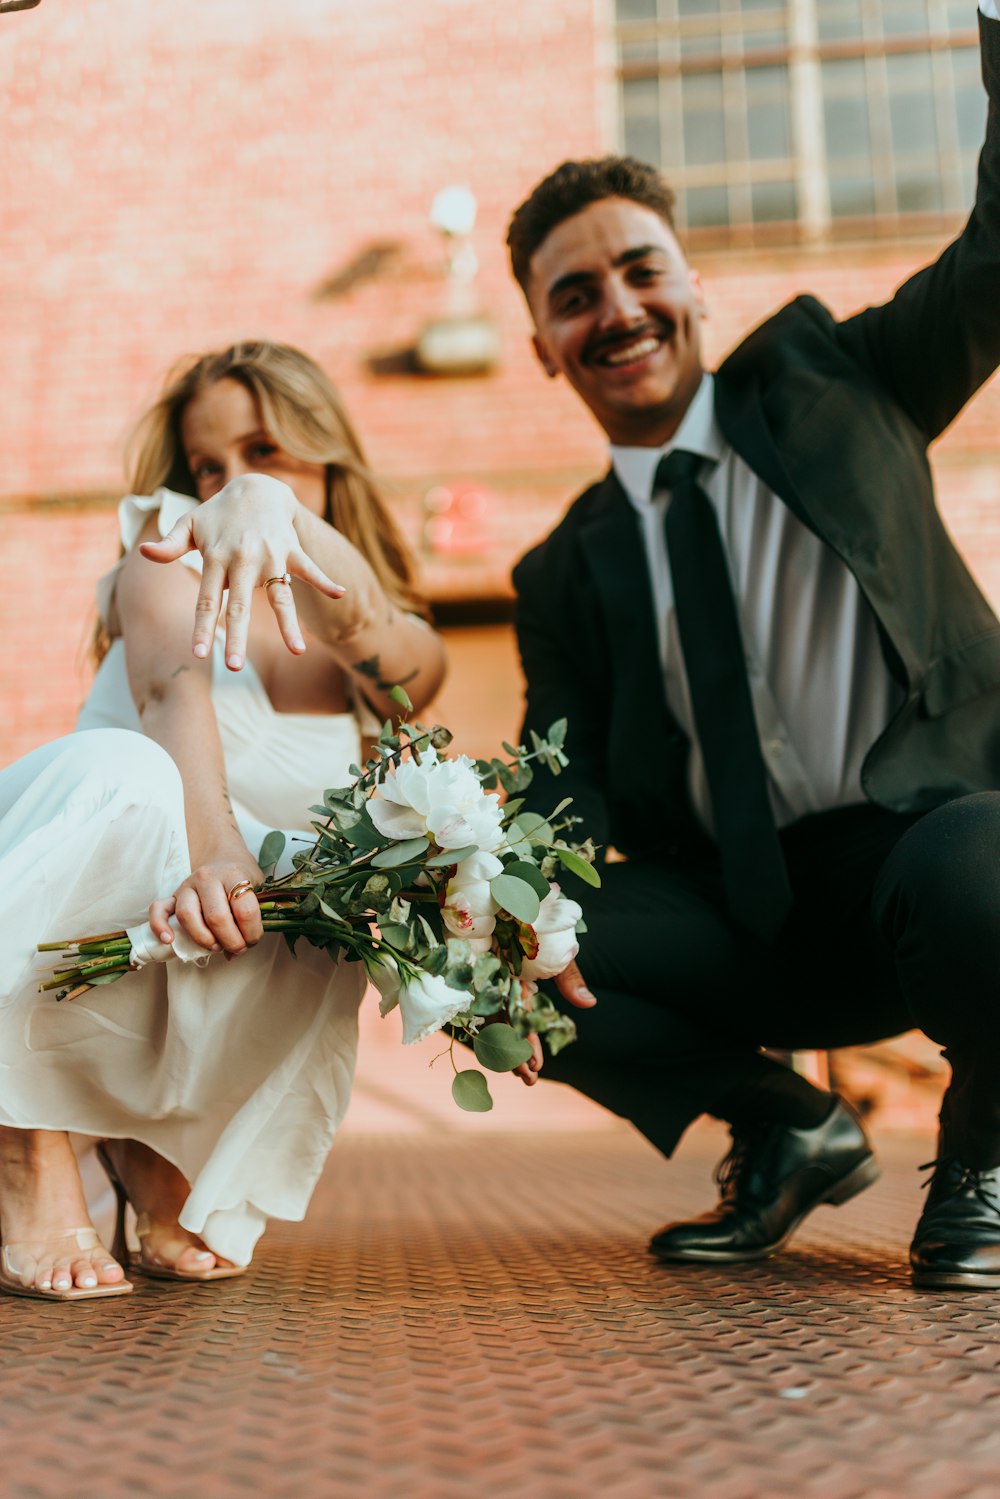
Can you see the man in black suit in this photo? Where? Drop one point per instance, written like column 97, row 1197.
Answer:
column 783, row 691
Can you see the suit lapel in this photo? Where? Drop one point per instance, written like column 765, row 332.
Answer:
column 745, row 428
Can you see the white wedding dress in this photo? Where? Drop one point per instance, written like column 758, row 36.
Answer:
column 237, row 1072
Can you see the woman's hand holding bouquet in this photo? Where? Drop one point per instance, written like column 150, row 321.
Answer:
column 445, row 893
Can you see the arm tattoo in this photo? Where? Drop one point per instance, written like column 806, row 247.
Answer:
column 175, row 674
column 229, row 805
column 371, row 668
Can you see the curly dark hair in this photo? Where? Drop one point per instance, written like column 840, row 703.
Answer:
column 573, row 186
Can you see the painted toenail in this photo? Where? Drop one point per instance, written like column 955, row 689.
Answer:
column 88, row 1280
column 203, row 1254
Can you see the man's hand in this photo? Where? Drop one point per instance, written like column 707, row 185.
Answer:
column 572, row 987
column 246, row 535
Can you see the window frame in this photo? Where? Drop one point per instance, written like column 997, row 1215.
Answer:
column 804, row 54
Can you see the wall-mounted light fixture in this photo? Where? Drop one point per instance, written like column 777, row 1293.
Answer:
column 462, row 340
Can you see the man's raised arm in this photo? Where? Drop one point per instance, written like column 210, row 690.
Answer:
column 938, row 340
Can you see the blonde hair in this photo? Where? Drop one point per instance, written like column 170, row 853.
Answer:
column 303, row 412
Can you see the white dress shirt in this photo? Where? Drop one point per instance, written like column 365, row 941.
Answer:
column 821, row 690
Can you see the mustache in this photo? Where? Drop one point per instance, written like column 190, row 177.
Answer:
column 603, row 342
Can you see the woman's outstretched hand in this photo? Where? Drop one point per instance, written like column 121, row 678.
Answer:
column 246, row 535
column 204, row 910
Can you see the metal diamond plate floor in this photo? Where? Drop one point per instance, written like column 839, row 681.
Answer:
column 462, row 1316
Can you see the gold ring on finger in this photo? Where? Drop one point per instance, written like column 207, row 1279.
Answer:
column 279, row 578
column 239, row 889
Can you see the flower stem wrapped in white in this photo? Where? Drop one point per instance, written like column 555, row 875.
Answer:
column 426, row 1003
column 437, row 799
column 555, row 931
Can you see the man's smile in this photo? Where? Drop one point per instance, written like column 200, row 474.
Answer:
column 627, row 349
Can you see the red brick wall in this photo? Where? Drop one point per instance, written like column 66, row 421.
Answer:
column 175, row 176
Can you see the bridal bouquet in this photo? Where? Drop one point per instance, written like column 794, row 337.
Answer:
column 445, row 893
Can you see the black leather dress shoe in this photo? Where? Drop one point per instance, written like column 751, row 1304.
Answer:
column 957, row 1242
column 773, row 1176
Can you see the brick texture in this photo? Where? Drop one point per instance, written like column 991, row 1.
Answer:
column 172, row 178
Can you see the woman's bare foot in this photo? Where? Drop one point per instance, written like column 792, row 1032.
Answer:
column 41, row 1204
column 157, row 1191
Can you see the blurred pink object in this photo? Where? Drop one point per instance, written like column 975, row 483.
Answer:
column 457, row 520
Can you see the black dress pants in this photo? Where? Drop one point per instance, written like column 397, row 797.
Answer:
column 895, row 925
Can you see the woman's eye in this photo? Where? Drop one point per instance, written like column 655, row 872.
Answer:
column 258, row 452
column 205, row 470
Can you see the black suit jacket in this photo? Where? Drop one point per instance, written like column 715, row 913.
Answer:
column 836, row 418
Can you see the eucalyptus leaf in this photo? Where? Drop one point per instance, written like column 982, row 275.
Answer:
column 400, row 853
column 487, row 1004
column 271, row 850
column 402, row 697
column 450, row 856
column 531, row 875
column 584, row 871
column 487, row 775
column 500, row 1048
column 557, row 733
column 471, row 1092
column 534, row 825
column 507, row 777
column 485, row 969
column 436, row 961
column 395, row 933
column 515, row 896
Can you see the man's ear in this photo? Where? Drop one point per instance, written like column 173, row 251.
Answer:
column 543, row 356
column 699, row 292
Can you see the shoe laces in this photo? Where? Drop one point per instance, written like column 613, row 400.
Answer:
column 964, row 1179
column 729, row 1170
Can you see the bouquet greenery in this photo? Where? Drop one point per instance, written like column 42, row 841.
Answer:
column 442, row 890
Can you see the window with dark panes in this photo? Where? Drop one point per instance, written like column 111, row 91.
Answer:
column 804, row 120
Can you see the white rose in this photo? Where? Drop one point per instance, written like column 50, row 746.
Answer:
column 426, row 1004
column 438, row 799
column 555, row 931
column 469, row 909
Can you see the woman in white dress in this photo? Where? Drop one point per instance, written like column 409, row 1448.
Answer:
column 217, row 1082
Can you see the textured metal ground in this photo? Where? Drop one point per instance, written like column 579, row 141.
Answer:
column 462, row 1317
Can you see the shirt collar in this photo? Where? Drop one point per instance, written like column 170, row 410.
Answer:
column 699, row 432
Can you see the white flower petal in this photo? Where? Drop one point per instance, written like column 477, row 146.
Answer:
column 427, row 1004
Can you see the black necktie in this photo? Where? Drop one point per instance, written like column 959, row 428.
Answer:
column 753, row 865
